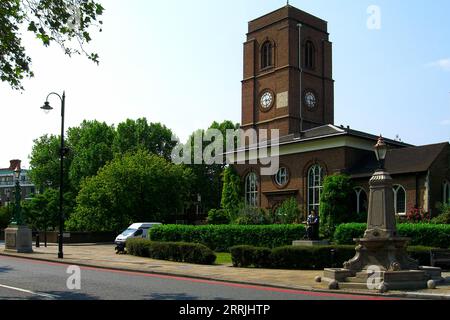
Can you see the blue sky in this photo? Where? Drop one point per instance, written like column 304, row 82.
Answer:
column 180, row 63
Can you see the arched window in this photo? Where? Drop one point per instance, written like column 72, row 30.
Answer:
column 282, row 177
column 446, row 194
column 251, row 189
column 266, row 55
column 400, row 200
column 315, row 185
column 360, row 203
column 309, row 55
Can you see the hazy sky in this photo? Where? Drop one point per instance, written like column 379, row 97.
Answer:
column 180, row 63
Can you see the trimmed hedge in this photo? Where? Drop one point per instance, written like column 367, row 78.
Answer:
column 173, row 251
column 431, row 235
column 222, row 237
column 291, row 257
column 306, row 258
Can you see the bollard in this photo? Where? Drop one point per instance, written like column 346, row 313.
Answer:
column 37, row 240
column 333, row 257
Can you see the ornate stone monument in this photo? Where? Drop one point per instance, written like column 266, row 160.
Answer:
column 18, row 237
column 381, row 261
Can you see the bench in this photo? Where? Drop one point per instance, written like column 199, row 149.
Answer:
column 440, row 256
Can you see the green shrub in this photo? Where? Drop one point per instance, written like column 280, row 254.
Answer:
column 345, row 233
column 6, row 214
column 251, row 216
column 292, row 257
column 173, row 251
column 335, row 203
column 218, row 217
column 221, row 238
column 307, row 258
column 444, row 216
column 430, row 235
column 289, row 212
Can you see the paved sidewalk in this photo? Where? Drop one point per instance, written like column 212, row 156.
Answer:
column 104, row 256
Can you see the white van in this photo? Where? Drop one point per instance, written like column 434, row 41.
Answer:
column 135, row 231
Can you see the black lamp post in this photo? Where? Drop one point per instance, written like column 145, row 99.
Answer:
column 381, row 151
column 48, row 108
column 17, row 219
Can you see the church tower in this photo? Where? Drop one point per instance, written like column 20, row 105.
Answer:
column 288, row 83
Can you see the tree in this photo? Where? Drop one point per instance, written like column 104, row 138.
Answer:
column 289, row 212
column 45, row 163
column 91, row 146
column 6, row 214
column 133, row 135
column 42, row 211
column 63, row 22
column 231, row 191
column 133, row 187
column 335, row 203
column 208, row 177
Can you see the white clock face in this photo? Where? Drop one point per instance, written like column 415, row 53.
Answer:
column 266, row 100
column 310, row 100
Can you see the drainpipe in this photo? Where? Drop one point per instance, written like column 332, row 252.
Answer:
column 301, row 74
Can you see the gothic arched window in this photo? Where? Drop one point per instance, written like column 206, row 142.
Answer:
column 360, row 200
column 446, row 194
column 266, row 55
column 251, row 189
column 400, row 200
column 310, row 54
column 316, row 175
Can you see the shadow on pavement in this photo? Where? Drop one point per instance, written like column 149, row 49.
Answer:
column 5, row 269
column 63, row 295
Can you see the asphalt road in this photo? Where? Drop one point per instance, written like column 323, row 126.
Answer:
column 23, row 279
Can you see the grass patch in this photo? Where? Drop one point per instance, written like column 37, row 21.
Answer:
column 223, row 258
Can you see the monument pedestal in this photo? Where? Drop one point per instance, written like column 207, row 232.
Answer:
column 18, row 239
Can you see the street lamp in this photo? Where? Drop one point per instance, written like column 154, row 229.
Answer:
column 381, row 151
column 47, row 108
column 17, row 219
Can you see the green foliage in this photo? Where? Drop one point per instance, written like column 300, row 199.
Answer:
column 231, row 192
column 218, row 217
column 345, row 233
column 221, row 238
column 306, row 258
column 91, row 147
column 45, row 163
column 174, row 251
column 289, row 212
column 444, row 216
column 134, row 135
column 42, row 211
column 133, row 187
column 64, row 22
column 432, row 235
column 291, row 257
column 253, row 216
column 207, row 180
column 246, row 256
column 335, row 203
column 6, row 214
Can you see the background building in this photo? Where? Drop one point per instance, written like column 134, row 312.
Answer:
column 288, row 85
column 8, row 183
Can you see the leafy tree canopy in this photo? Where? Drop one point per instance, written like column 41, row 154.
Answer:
column 134, row 187
column 67, row 23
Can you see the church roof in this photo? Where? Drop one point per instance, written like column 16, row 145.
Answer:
column 404, row 160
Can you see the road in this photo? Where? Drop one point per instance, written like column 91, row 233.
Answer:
column 23, row 279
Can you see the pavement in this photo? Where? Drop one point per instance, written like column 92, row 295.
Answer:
column 103, row 256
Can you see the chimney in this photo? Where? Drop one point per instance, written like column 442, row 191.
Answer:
column 14, row 164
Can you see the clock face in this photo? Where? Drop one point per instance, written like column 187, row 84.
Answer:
column 310, row 100
column 267, row 100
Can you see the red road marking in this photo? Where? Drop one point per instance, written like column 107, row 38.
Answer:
column 212, row 282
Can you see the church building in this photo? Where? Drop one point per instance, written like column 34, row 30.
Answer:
column 288, row 85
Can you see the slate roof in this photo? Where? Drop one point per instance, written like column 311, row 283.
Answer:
column 404, row 160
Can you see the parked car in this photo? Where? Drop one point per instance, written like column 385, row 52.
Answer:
column 135, row 231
